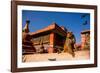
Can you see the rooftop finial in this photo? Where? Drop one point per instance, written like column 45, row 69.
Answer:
column 27, row 21
column 26, row 28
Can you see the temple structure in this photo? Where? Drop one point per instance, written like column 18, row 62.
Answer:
column 85, row 39
column 51, row 36
column 27, row 44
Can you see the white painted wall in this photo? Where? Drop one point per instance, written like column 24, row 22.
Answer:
column 5, row 36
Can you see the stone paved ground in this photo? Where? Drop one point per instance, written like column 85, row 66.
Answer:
column 79, row 55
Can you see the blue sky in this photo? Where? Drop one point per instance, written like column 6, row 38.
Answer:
column 72, row 21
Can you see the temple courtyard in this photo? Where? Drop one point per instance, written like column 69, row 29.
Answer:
column 79, row 55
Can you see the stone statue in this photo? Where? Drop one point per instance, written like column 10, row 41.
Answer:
column 69, row 44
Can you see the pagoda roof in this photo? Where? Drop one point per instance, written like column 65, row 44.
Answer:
column 85, row 31
column 51, row 28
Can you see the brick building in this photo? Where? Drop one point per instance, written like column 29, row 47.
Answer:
column 85, row 39
column 51, row 36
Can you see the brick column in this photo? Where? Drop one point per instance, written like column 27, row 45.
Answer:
column 52, row 39
column 83, row 41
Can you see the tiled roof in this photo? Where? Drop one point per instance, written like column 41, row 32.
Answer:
column 53, row 26
column 85, row 31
